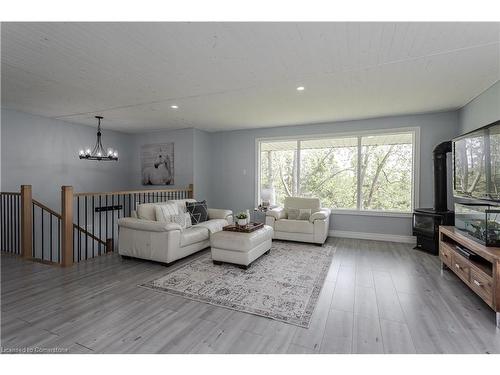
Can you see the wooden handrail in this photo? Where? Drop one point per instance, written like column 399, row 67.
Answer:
column 44, row 207
column 123, row 192
column 10, row 193
column 86, row 232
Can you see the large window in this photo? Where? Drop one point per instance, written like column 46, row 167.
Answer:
column 363, row 172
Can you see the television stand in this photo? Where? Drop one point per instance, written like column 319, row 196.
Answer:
column 478, row 266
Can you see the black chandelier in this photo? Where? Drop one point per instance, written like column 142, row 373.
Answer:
column 98, row 152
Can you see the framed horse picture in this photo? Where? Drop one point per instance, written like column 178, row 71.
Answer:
column 157, row 164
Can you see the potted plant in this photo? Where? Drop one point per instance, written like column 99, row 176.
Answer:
column 242, row 218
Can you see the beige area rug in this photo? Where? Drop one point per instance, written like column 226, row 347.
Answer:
column 283, row 285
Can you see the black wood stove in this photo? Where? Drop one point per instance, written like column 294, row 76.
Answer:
column 426, row 221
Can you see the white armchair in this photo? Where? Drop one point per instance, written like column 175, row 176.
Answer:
column 314, row 230
column 142, row 236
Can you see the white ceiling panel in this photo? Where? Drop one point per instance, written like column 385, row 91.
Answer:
column 243, row 75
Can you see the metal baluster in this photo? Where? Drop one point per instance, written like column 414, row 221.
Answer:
column 106, row 217
column 78, row 228
column 86, row 227
column 4, row 209
column 59, row 241
column 123, row 205
column 100, row 216
column 2, row 237
column 93, row 216
column 113, row 218
column 33, row 242
column 43, row 247
column 18, row 223
column 9, row 224
column 50, row 218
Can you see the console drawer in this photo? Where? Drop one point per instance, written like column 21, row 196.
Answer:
column 445, row 254
column 461, row 267
column 482, row 285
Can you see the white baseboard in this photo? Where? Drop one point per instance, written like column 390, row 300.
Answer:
column 372, row 236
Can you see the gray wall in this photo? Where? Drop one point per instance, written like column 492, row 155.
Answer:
column 202, row 166
column 43, row 152
column 481, row 111
column 233, row 180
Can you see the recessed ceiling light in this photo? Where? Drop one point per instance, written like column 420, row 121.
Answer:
column 301, row 88
column 174, row 106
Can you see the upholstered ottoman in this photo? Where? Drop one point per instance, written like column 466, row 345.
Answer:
column 240, row 248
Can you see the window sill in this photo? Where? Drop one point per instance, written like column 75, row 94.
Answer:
column 371, row 213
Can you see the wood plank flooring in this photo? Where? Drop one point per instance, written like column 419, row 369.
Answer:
column 379, row 297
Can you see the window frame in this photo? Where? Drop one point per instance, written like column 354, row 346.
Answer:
column 359, row 134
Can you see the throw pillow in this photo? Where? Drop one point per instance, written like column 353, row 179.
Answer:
column 293, row 214
column 183, row 219
column 187, row 219
column 164, row 211
column 198, row 211
column 304, row 213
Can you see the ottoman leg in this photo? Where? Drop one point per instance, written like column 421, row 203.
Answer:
column 243, row 267
column 268, row 251
column 217, row 263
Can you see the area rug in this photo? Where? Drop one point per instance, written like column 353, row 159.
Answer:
column 283, row 285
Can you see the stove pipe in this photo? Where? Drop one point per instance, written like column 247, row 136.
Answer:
column 440, row 176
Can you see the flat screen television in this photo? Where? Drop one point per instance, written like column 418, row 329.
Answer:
column 476, row 164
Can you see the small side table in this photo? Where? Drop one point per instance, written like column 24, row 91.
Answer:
column 259, row 214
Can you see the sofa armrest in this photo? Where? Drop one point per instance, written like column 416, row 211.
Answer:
column 216, row 213
column 278, row 213
column 322, row 214
column 147, row 225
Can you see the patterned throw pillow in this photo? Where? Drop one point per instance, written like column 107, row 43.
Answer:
column 163, row 212
column 299, row 213
column 198, row 211
column 187, row 219
column 293, row 214
column 183, row 219
column 169, row 215
column 304, row 213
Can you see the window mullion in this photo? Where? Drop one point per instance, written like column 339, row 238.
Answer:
column 358, row 177
column 297, row 187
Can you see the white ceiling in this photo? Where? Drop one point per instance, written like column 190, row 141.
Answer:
column 243, row 75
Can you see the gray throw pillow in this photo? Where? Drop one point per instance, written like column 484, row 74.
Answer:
column 293, row 214
column 304, row 213
column 198, row 211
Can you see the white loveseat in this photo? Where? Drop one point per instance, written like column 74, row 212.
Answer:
column 142, row 236
column 314, row 230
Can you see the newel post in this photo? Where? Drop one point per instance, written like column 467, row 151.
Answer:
column 190, row 191
column 66, row 226
column 26, row 221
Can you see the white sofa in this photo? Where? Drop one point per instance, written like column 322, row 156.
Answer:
column 142, row 236
column 314, row 230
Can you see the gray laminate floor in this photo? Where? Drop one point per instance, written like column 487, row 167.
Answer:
column 379, row 297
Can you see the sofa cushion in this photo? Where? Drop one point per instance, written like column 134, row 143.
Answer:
column 293, row 226
column 198, row 211
column 146, row 211
column 213, row 226
column 166, row 212
column 296, row 202
column 181, row 203
column 193, row 235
